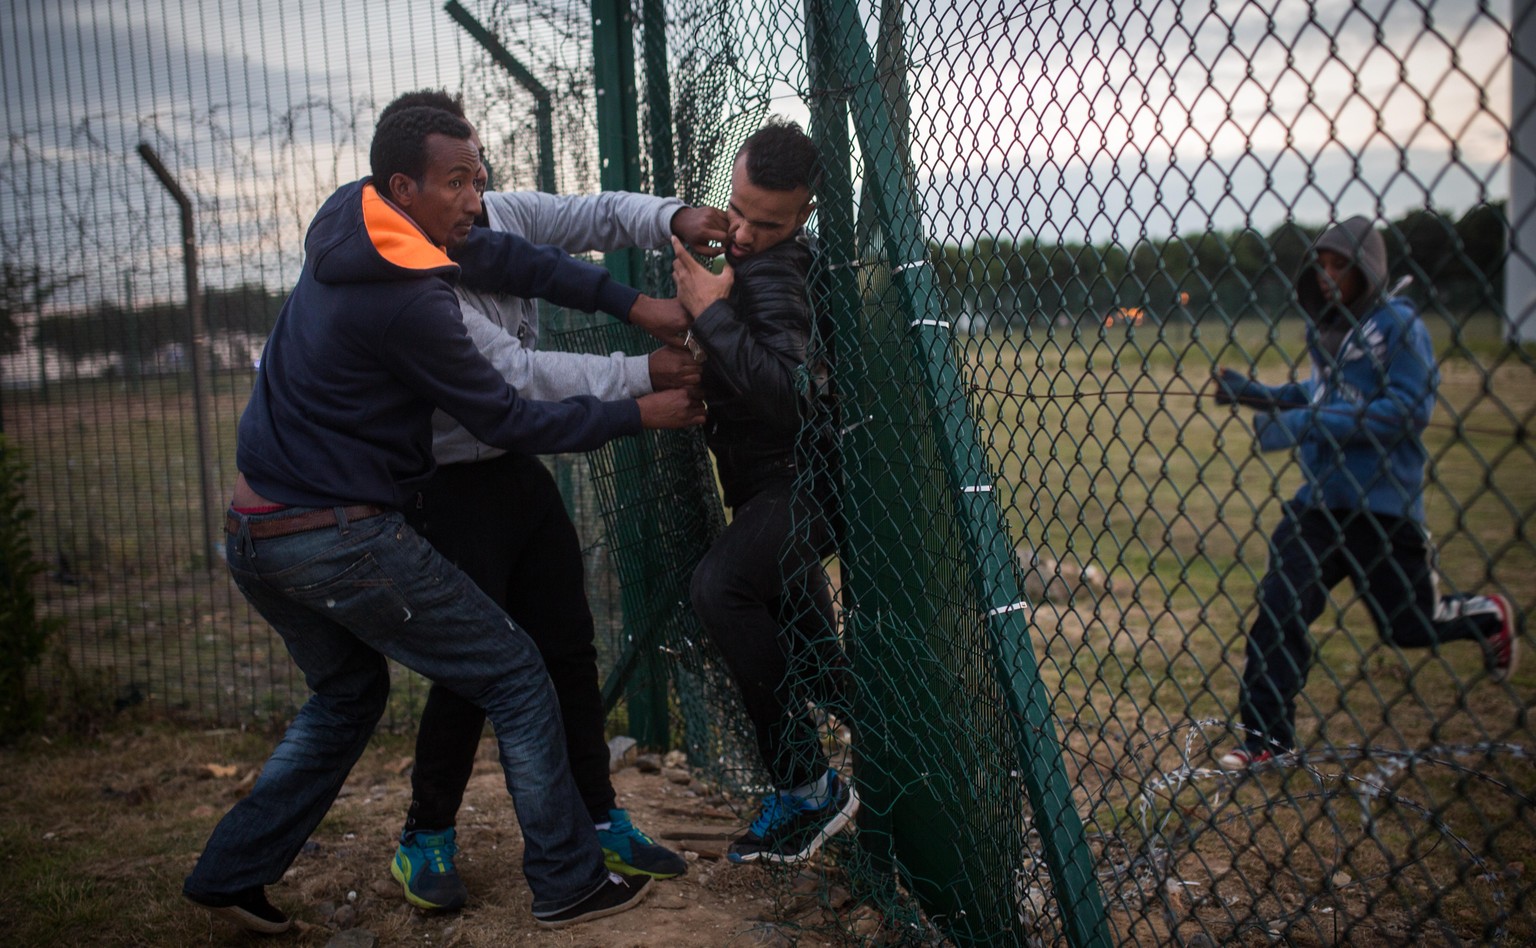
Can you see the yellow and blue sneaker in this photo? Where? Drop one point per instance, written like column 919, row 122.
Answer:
column 423, row 866
column 630, row 852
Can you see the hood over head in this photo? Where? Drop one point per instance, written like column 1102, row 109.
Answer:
column 1362, row 244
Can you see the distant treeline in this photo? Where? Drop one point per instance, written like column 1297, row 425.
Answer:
column 1456, row 264
column 135, row 334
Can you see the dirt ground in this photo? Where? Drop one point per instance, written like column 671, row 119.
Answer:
column 96, row 840
column 715, row 903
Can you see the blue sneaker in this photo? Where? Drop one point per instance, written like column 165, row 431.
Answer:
column 630, row 852
column 789, row 830
column 424, row 868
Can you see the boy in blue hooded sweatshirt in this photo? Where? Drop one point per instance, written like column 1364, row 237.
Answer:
column 1357, row 426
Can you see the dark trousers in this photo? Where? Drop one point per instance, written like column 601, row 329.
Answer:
column 1312, row 551
column 763, row 597
column 503, row 523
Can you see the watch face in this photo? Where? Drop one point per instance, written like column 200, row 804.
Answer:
column 694, row 347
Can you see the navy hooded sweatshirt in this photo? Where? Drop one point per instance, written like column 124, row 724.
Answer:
column 371, row 341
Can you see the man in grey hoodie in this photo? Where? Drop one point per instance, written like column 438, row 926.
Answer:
column 500, row 518
column 1357, row 427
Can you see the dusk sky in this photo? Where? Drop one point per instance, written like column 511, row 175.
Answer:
column 1051, row 119
column 1238, row 113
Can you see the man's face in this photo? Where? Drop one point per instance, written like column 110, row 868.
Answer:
column 1338, row 278
column 447, row 201
column 757, row 218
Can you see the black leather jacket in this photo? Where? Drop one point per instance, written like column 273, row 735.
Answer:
column 756, row 341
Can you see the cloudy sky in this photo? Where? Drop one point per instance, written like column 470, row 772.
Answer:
column 1111, row 118
column 1108, row 119
column 254, row 106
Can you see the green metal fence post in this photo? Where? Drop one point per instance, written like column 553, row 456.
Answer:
column 618, row 122
column 618, row 138
column 839, row 254
column 543, row 110
column 992, row 563
column 658, row 97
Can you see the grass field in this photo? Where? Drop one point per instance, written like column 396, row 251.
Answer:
column 1107, row 450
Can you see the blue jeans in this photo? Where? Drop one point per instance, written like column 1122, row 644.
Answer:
column 344, row 598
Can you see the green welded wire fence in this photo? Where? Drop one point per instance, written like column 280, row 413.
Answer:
column 1043, row 225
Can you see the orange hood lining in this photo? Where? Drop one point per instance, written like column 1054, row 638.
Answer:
column 397, row 238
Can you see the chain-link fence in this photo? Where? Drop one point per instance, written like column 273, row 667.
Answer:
column 1044, row 226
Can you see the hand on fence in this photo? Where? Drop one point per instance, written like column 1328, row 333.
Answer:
column 674, row 368
column 696, row 286
column 1234, row 388
column 1276, row 432
column 702, row 229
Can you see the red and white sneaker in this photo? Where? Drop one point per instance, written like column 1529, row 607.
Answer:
column 1244, row 759
column 1502, row 651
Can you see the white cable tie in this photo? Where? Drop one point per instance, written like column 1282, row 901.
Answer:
column 941, row 323
column 915, row 263
column 977, row 489
column 1015, row 607
column 846, row 264
column 858, row 424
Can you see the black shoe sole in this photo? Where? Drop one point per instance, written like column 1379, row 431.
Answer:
column 247, row 920
column 593, row 914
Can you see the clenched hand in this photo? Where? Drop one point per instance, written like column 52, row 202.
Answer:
column 702, row 228
column 674, row 368
column 674, row 408
column 664, row 319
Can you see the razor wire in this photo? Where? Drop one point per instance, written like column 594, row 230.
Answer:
column 1111, row 200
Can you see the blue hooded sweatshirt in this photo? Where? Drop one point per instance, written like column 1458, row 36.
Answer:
column 1358, row 421
column 371, row 341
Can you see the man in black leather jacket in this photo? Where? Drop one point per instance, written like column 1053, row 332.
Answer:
column 760, row 591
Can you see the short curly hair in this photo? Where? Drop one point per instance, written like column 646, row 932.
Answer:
column 400, row 142
column 453, row 104
column 433, row 98
column 781, row 157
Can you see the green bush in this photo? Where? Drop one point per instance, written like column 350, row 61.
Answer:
column 23, row 636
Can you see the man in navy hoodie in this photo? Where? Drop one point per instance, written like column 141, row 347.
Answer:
column 336, row 437
column 499, row 517
column 1357, row 427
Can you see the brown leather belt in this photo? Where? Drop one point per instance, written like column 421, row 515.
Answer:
column 283, row 526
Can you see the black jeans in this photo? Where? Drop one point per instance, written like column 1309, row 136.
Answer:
column 503, row 523
column 1312, row 551
column 764, row 599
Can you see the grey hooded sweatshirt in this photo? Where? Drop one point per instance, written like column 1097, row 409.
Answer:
column 1358, row 240
column 506, row 329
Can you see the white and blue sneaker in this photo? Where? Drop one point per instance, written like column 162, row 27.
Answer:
column 789, row 829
